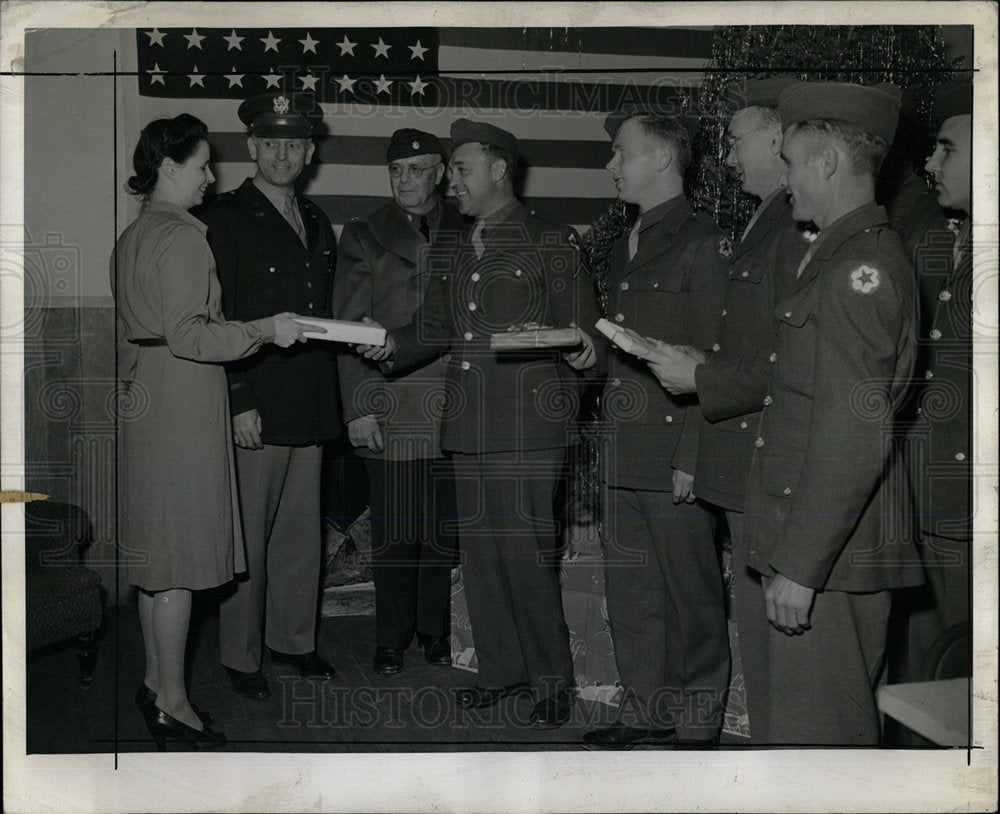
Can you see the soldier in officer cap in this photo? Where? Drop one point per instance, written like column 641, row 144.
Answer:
column 391, row 420
column 273, row 245
column 823, row 533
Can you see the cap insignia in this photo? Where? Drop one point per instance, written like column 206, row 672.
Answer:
column 281, row 105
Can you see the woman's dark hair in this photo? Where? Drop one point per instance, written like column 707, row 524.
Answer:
column 176, row 139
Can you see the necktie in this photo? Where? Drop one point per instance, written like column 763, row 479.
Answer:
column 960, row 229
column 291, row 214
column 633, row 239
column 423, row 228
column 477, row 238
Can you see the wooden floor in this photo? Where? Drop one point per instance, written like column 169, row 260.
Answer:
column 359, row 711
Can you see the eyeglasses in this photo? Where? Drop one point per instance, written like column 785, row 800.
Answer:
column 732, row 141
column 396, row 171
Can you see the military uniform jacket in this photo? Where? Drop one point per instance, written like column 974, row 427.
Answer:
column 529, row 273
column 733, row 383
column 379, row 276
column 940, row 447
column 264, row 269
column 826, row 505
column 673, row 290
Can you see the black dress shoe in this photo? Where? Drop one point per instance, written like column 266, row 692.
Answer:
column 437, row 650
column 250, row 685
column 311, row 665
column 164, row 727
column 553, row 711
column 388, row 661
column 620, row 736
column 145, row 700
column 478, row 697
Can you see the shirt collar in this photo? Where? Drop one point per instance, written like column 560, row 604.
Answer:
column 276, row 195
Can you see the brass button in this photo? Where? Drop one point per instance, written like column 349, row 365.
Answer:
column 619, row 317
column 759, row 443
column 615, row 382
column 787, row 490
column 468, row 336
column 309, row 285
column 743, row 425
column 624, row 286
column 272, row 269
column 466, row 365
column 745, row 274
column 959, row 456
column 935, row 334
column 788, row 314
column 472, row 306
column 475, row 276
column 724, row 312
column 669, row 419
column 773, row 357
column 517, row 272
column 716, row 347
column 944, row 296
column 767, row 401
column 928, row 374
column 310, row 305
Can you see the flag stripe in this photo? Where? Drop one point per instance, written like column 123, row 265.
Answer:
column 371, row 151
column 474, row 60
column 691, row 43
column 347, row 179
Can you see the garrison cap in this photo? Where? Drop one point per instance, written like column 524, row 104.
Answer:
column 954, row 98
column 407, row 142
column 874, row 108
column 464, row 131
column 275, row 115
column 615, row 119
column 757, row 92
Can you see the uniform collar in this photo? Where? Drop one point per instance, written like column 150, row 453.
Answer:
column 670, row 211
column 857, row 220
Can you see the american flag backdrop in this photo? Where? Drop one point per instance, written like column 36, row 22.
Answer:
column 551, row 87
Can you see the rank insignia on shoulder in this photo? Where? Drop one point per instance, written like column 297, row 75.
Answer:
column 725, row 247
column 865, row 279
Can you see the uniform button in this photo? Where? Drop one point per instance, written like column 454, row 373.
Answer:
column 759, row 443
column 624, row 286
column 944, row 296
column 724, row 312
column 616, row 382
column 743, row 425
column 656, row 285
column 787, row 314
column 935, row 334
column 517, row 272
column 472, row 306
column 310, row 305
column 787, row 490
column 669, row 419
column 773, row 357
column 271, row 269
column 767, row 401
column 716, row 347
column 307, row 264
column 468, row 336
column 619, row 317
column 928, row 374
column 466, row 365
column 309, row 285
column 745, row 274
column 475, row 276
column 959, row 456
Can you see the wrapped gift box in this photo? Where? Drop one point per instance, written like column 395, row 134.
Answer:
column 339, row 330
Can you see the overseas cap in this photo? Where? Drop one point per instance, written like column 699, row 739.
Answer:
column 757, row 92
column 464, row 131
column 954, row 98
column 408, row 142
column 274, row 115
column 873, row 108
column 614, row 120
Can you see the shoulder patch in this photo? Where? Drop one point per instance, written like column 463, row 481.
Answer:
column 725, row 247
column 865, row 279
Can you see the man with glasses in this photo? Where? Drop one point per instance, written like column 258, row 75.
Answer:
column 273, row 248
column 393, row 419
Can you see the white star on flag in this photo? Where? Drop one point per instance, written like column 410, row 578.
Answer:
column 417, row 86
column 270, row 42
column 346, row 46
column 382, row 84
column 234, row 41
column 381, row 50
column 155, row 37
column 235, row 78
column 308, row 82
column 272, row 79
column 309, row 44
column 196, row 78
column 194, row 39
column 417, row 51
column 157, row 75
column 346, row 83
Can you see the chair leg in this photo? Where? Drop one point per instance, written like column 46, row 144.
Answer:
column 87, row 653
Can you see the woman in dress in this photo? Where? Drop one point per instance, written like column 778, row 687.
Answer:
column 179, row 515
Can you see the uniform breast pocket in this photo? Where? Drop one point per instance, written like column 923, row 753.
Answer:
column 657, row 308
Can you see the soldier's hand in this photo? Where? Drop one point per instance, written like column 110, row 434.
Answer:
column 673, row 367
column 586, row 357
column 683, row 487
column 788, row 605
column 365, row 432
column 286, row 330
column 374, row 352
column 246, row 430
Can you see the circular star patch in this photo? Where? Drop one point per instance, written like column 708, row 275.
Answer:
column 865, row 279
column 725, row 247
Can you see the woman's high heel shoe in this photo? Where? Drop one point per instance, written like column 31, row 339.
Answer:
column 164, row 727
column 145, row 700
